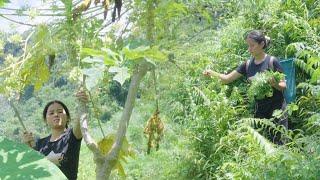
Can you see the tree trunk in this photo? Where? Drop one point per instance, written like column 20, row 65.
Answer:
column 112, row 156
column 105, row 164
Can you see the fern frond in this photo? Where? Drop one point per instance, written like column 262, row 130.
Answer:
column 304, row 67
column 313, row 123
column 262, row 141
column 305, row 87
column 203, row 96
column 267, row 124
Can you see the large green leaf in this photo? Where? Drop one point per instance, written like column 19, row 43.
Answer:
column 18, row 161
column 94, row 75
column 155, row 54
column 126, row 151
column 93, row 60
column 151, row 53
column 94, row 72
column 121, row 74
column 134, row 54
column 107, row 55
column 135, row 43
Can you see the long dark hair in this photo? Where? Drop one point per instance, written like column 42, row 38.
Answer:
column 259, row 37
column 45, row 110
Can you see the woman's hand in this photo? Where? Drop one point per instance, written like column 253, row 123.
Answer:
column 27, row 138
column 225, row 78
column 208, row 72
column 82, row 112
column 278, row 85
column 82, row 96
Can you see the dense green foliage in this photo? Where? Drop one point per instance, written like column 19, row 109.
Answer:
column 208, row 125
column 260, row 86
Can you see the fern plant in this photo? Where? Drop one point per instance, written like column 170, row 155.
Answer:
column 260, row 87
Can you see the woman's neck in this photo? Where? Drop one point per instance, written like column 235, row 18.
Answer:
column 56, row 134
column 260, row 57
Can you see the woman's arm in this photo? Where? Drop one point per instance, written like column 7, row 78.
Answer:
column 225, row 78
column 76, row 129
column 83, row 99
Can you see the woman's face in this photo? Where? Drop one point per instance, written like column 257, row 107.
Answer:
column 56, row 116
column 254, row 47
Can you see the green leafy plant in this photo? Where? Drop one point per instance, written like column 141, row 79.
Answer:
column 260, row 87
column 18, row 161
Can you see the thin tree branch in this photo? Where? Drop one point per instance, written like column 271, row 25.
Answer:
column 197, row 33
column 25, row 45
column 26, row 24
column 155, row 88
column 17, row 114
column 39, row 9
column 95, row 15
column 16, row 14
column 10, row 9
column 123, row 31
column 76, row 3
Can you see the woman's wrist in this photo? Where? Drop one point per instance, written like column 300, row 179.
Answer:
column 215, row 74
column 277, row 86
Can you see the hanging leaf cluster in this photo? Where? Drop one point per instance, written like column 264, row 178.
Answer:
column 154, row 131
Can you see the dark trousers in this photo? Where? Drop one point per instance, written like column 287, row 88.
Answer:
column 264, row 110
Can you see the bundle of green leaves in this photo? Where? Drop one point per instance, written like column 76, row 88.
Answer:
column 260, row 86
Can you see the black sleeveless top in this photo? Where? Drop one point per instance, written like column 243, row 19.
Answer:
column 67, row 148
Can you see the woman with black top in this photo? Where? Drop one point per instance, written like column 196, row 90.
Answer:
column 62, row 146
column 260, row 61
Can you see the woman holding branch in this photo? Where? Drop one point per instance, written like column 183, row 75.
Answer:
column 62, row 146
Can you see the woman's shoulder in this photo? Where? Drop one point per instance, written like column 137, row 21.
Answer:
column 43, row 140
column 273, row 58
column 40, row 142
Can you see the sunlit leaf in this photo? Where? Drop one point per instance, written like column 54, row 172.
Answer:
column 145, row 52
column 121, row 74
column 18, row 161
column 93, row 76
column 98, row 53
column 315, row 76
column 105, row 146
column 92, row 60
column 134, row 54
